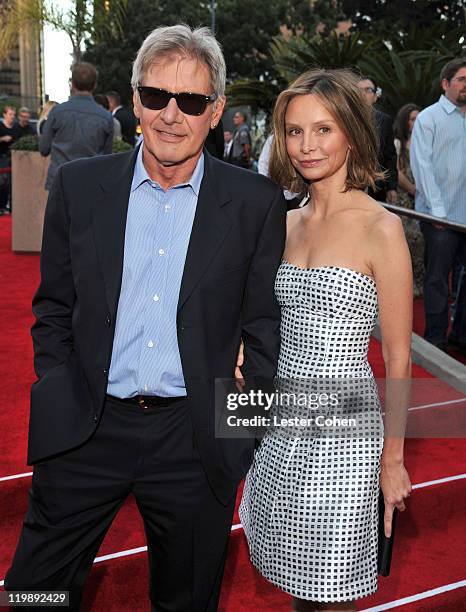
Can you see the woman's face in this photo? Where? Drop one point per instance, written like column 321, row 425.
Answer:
column 317, row 146
column 411, row 119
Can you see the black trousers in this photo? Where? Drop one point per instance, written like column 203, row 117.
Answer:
column 5, row 184
column 75, row 497
column 442, row 247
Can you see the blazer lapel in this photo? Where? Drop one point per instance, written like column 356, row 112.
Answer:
column 109, row 224
column 210, row 228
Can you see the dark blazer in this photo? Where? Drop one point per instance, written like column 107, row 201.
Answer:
column 387, row 155
column 227, row 293
column 128, row 124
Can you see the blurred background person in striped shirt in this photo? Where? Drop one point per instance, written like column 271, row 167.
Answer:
column 438, row 162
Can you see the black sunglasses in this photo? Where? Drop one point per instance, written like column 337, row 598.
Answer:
column 188, row 103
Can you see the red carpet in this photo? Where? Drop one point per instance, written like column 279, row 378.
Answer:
column 429, row 550
column 419, row 324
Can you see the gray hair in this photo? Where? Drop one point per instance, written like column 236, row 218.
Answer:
column 24, row 109
column 199, row 43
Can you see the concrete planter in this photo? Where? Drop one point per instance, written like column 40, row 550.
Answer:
column 29, row 170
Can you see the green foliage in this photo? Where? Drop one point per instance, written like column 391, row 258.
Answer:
column 258, row 95
column 243, row 28
column 114, row 56
column 83, row 21
column 388, row 16
column 26, row 143
column 120, row 146
column 31, row 143
column 295, row 56
column 8, row 101
column 409, row 65
column 292, row 57
column 405, row 77
column 406, row 64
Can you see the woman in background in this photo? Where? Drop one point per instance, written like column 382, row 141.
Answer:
column 44, row 113
column 403, row 128
column 310, row 503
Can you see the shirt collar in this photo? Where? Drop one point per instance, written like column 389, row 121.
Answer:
column 140, row 175
column 82, row 96
column 447, row 105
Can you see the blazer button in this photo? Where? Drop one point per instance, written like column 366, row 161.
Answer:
column 108, row 320
column 96, row 418
column 104, row 371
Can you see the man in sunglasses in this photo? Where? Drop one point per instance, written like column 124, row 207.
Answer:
column 154, row 265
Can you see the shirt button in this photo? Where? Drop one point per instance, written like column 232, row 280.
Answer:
column 156, row 298
column 167, row 207
column 161, row 252
column 150, row 344
column 146, row 388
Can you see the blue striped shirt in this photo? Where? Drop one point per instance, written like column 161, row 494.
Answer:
column 146, row 358
column 438, row 161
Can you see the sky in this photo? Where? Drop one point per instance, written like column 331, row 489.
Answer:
column 57, row 60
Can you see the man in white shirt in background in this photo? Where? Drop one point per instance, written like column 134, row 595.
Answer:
column 438, row 162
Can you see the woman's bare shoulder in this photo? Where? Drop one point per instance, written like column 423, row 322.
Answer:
column 380, row 222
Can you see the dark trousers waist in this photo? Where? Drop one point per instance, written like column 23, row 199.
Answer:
column 146, row 402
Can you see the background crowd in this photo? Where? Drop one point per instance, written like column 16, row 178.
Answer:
column 419, row 173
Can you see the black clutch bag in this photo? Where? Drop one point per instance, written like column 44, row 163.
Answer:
column 384, row 557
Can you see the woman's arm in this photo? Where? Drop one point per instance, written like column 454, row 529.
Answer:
column 405, row 183
column 392, row 269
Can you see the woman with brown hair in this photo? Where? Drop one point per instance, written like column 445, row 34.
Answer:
column 309, row 508
column 403, row 128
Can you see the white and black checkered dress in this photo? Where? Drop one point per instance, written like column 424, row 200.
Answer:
column 309, row 507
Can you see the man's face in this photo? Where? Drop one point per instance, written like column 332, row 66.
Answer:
column 455, row 89
column 172, row 137
column 111, row 103
column 9, row 116
column 368, row 89
column 23, row 118
column 238, row 119
column 227, row 135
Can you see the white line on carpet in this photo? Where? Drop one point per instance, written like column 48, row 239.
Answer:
column 430, row 483
column 140, row 549
column 24, row 475
column 123, row 553
column 455, row 401
column 386, row 606
column 422, row 407
column 424, row 595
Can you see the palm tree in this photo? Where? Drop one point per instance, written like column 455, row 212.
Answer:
column 295, row 56
column 86, row 19
column 404, row 77
column 406, row 64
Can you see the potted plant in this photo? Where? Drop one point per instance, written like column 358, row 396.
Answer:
column 29, row 171
column 28, row 196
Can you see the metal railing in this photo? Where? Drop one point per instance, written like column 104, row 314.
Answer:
column 414, row 214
